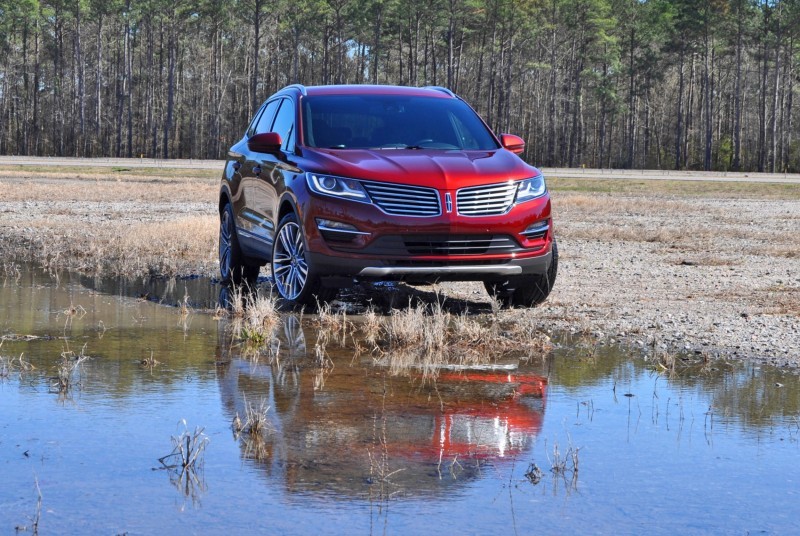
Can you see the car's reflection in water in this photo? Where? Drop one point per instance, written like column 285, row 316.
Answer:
column 349, row 428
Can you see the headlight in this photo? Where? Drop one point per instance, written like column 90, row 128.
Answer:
column 337, row 187
column 531, row 188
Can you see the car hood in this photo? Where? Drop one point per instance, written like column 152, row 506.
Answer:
column 439, row 169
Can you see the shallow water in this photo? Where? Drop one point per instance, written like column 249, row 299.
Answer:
column 351, row 448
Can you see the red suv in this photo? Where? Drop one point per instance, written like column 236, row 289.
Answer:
column 334, row 184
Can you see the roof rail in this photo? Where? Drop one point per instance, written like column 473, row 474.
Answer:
column 299, row 87
column 442, row 89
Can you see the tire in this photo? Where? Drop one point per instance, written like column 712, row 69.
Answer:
column 233, row 268
column 293, row 275
column 525, row 290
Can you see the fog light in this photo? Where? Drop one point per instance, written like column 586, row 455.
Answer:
column 333, row 225
column 338, row 230
column 537, row 231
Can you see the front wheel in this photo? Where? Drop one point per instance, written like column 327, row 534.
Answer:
column 525, row 290
column 295, row 278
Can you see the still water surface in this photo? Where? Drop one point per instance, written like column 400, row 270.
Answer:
column 351, row 448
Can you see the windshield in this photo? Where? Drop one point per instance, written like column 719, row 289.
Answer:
column 392, row 122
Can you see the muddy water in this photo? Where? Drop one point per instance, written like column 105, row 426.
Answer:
column 350, row 448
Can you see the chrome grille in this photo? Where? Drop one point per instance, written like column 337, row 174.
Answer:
column 460, row 245
column 404, row 200
column 489, row 200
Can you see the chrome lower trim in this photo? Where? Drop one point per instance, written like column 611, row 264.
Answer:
column 383, row 271
column 536, row 230
column 344, row 231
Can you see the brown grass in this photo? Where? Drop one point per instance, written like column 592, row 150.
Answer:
column 104, row 220
column 715, row 230
column 181, row 246
column 259, row 318
column 142, row 221
column 429, row 339
column 718, row 189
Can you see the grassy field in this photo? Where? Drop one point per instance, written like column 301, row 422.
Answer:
column 160, row 221
column 113, row 221
column 724, row 190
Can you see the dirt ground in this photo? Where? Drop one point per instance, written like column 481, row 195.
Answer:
column 702, row 266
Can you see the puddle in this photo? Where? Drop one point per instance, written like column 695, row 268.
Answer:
column 572, row 441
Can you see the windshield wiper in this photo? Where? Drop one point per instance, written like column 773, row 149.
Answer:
column 396, row 146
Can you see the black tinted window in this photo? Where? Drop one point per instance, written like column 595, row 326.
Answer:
column 265, row 121
column 393, row 121
column 284, row 125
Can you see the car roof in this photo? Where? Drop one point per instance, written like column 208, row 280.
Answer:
column 376, row 90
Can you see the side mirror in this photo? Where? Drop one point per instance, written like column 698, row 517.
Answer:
column 266, row 142
column 513, row 143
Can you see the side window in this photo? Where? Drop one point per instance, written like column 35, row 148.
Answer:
column 284, row 125
column 251, row 128
column 265, row 121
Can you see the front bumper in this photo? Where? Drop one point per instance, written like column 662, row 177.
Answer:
column 429, row 270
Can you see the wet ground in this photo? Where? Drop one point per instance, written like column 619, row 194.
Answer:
column 583, row 439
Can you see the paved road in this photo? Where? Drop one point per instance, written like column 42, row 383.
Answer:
column 786, row 178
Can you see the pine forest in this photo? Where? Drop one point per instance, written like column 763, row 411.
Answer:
column 662, row 84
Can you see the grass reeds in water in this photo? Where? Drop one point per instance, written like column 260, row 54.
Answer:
column 430, row 338
column 565, row 466
column 255, row 419
column 10, row 365
column 69, row 364
column 254, row 316
column 150, row 362
column 419, row 336
column 71, row 313
column 185, row 308
column 186, row 461
column 253, row 431
column 372, row 327
column 33, row 528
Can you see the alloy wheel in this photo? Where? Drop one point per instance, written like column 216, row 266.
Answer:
column 289, row 266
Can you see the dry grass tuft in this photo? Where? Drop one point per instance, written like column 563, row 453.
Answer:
column 333, row 322
column 256, row 421
column 254, row 431
column 255, row 317
column 186, row 461
column 372, row 329
column 188, row 450
column 431, row 339
column 67, row 367
column 566, row 464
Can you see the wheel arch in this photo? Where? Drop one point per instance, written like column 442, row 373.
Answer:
column 224, row 199
column 287, row 205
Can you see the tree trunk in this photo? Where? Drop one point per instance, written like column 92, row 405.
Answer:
column 737, row 99
column 679, row 120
